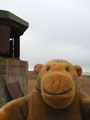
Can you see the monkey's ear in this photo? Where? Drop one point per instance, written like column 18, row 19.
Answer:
column 78, row 69
column 37, row 68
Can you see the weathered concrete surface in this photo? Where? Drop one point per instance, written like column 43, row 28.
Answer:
column 12, row 70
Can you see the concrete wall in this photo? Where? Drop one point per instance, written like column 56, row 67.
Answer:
column 12, row 70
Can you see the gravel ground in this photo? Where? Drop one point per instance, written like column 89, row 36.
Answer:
column 84, row 82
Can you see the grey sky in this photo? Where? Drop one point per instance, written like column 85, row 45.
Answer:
column 59, row 29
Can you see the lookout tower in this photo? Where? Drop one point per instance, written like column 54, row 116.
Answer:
column 12, row 69
column 11, row 28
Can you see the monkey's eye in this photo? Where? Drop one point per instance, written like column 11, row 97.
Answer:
column 48, row 68
column 67, row 69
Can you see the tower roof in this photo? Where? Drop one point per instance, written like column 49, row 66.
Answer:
column 17, row 25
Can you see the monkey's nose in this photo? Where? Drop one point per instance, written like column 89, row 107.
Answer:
column 55, row 83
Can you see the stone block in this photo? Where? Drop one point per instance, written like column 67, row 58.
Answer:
column 12, row 70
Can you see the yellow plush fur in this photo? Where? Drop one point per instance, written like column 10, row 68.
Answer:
column 56, row 96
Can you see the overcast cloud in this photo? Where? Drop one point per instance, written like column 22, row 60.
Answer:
column 59, row 29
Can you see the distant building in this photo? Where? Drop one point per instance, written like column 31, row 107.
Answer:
column 11, row 67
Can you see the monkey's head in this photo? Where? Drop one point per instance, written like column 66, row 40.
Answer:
column 58, row 82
